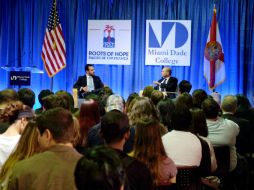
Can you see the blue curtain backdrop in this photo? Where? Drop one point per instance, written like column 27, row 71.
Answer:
column 23, row 23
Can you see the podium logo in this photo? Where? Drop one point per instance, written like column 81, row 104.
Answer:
column 14, row 78
column 180, row 34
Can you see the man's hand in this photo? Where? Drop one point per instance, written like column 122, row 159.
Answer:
column 85, row 89
column 156, row 82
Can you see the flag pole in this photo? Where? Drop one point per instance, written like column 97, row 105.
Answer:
column 52, row 78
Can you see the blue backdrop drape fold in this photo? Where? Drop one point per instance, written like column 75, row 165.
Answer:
column 23, row 24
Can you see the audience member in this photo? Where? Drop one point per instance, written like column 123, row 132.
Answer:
column 26, row 147
column 89, row 83
column 54, row 167
column 100, row 169
column 147, row 92
column 156, row 96
column 115, row 130
column 89, row 116
column 53, row 101
column 42, row 95
column 184, row 86
column 6, row 96
column 129, row 101
column 199, row 127
column 27, row 97
column 186, row 99
column 198, row 96
column 181, row 145
column 148, row 148
column 17, row 116
column 166, row 108
column 68, row 100
column 244, row 140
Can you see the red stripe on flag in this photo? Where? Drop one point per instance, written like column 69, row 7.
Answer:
column 212, row 38
column 46, row 65
column 53, row 51
column 51, row 63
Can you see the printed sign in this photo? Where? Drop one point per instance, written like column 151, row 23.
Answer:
column 168, row 42
column 20, row 78
column 109, row 42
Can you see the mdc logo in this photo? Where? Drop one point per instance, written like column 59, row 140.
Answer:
column 158, row 33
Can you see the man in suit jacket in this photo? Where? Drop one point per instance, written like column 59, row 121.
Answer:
column 88, row 83
column 244, row 142
column 167, row 83
column 53, row 168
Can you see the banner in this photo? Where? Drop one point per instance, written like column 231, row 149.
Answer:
column 168, row 42
column 214, row 67
column 109, row 42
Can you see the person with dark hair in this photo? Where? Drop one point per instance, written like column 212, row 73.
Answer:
column 166, row 108
column 148, row 149
column 42, row 95
column 244, row 140
column 88, row 83
column 180, row 144
column 53, row 101
column 100, row 169
column 89, row 116
column 6, row 96
column 199, row 127
column 186, row 99
column 54, row 167
column 130, row 98
column 27, row 96
column 167, row 83
column 198, row 96
column 68, row 100
column 115, row 130
column 184, row 86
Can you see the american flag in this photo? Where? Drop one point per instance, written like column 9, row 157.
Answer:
column 53, row 49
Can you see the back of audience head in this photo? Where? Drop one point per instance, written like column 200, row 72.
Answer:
column 229, row 104
column 27, row 96
column 100, row 169
column 166, row 108
column 8, row 95
column 11, row 112
column 198, row 124
column 181, row 118
column 115, row 102
column 27, row 146
column 43, row 94
column 143, row 108
column 198, row 96
column 67, row 99
column 130, row 98
column 89, row 115
column 243, row 101
column 114, row 126
column 184, row 86
column 186, row 99
column 53, row 101
column 148, row 147
column 210, row 108
column 147, row 92
column 55, row 126
column 156, row 96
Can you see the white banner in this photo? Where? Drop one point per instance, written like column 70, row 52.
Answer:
column 109, row 42
column 168, row 42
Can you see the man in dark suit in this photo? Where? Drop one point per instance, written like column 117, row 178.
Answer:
column 167, row 83
column 244, row 142
column 88, row 83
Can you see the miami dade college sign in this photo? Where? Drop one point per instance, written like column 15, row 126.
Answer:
column 168, row 42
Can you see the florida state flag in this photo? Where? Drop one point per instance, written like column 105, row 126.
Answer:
column 214, row 67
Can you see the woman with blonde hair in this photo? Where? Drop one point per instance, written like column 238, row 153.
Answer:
column 26, row 147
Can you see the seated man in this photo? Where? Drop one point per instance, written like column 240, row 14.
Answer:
column 88, row 83
column 167, row 83
column 54, row 167
column 115, row 130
